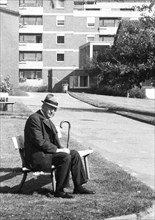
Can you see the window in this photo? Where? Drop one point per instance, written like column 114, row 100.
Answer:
column 30, row 38
column 78, row 2
column 106, row 38
column 90, row 38
column 60, row 39
column 92, row 9
column 76, row 81
column 31, row 20
column 79, row 82
column 83, row 81
column 30, row 3
column 29, row 74
column 108, row 22
column 60, row 3
column 60, row 57
column 60, row 21
column 127, row 9
column 30, row 56
column 90, row 22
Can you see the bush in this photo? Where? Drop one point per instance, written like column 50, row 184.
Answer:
column 112, row 91
column 34, row 88
column 137, row 93
column 5, row 85
column 18, row 92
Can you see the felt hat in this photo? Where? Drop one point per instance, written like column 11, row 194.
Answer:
column 51, row 100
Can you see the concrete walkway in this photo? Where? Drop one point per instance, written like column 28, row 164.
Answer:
column 124, row 141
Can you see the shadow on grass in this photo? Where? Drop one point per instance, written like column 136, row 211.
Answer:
column 32, row 184
column 13, row 172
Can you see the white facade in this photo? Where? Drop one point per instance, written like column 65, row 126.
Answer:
column 53, row 33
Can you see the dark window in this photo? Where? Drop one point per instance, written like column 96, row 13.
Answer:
column 30, row 3
column 105, row 22
column 83, row 81
column 30, row 56
column 60, row 56
column 30, row 38
column 31, row 20
column 60, row 39
column 106, row 38
column 29, row 74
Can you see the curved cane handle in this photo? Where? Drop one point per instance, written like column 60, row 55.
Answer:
column 69, row 126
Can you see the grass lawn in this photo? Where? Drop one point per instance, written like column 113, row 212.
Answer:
column 138, row 109
column 117, row 192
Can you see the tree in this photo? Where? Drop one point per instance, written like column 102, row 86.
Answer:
column 135, row 50
column 132, row 58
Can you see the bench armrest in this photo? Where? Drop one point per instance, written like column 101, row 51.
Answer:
column 84, row 153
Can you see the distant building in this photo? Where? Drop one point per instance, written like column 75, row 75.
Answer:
column 54, row 33
column 9, row 53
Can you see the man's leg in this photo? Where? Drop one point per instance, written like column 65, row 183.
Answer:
column 62, row 162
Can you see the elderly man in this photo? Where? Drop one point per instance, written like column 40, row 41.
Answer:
column 43, row 149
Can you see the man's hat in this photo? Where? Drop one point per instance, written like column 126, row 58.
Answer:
column 51, row 100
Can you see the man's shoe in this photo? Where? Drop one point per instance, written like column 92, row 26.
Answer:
column 82, row 190
column 63, row 195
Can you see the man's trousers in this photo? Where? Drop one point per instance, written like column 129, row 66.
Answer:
column 65, row 163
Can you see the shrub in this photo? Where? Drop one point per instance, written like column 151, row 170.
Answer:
column 137, row 93
column 18, row 92
column 26, row 88
column 5, row 85
column 112, row 91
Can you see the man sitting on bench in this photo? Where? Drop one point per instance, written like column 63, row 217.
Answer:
column 43, row 149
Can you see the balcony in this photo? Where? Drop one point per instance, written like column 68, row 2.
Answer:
column 30, row 46
column 30, row 64
column 30, row 28
column 107, row 30
column 31, row 10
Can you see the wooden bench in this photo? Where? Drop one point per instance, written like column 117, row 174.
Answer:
column 4, row 97
column 18, row 142
column 5, row 104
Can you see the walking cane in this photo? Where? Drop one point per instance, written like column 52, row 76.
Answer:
column 69, row 126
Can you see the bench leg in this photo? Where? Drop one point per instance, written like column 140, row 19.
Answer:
column 86, row 166
column 5, row 107
column 22, row 182
column 53, row 180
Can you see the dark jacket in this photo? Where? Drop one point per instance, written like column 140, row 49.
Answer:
column 41, row 140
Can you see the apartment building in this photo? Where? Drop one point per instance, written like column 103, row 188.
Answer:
column 53, row 32
column 9, row 28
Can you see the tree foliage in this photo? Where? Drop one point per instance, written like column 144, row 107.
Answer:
column 131, row 60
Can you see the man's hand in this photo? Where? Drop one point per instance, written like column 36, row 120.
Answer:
column 65, row 150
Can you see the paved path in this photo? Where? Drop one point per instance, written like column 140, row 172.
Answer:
column 124, row 141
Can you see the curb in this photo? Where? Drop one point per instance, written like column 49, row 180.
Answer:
column 148, row 215
column 125, row 112
column 127, row 115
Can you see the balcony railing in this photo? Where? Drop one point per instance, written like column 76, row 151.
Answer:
column 107, row 30
column 31, row 3
column 30, row 46
column 30, row 64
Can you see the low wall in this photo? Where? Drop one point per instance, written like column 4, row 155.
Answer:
column 150, row 93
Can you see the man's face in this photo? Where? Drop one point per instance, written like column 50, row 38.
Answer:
column 49, row 111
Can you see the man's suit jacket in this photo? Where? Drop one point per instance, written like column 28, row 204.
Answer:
column 41, row 140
